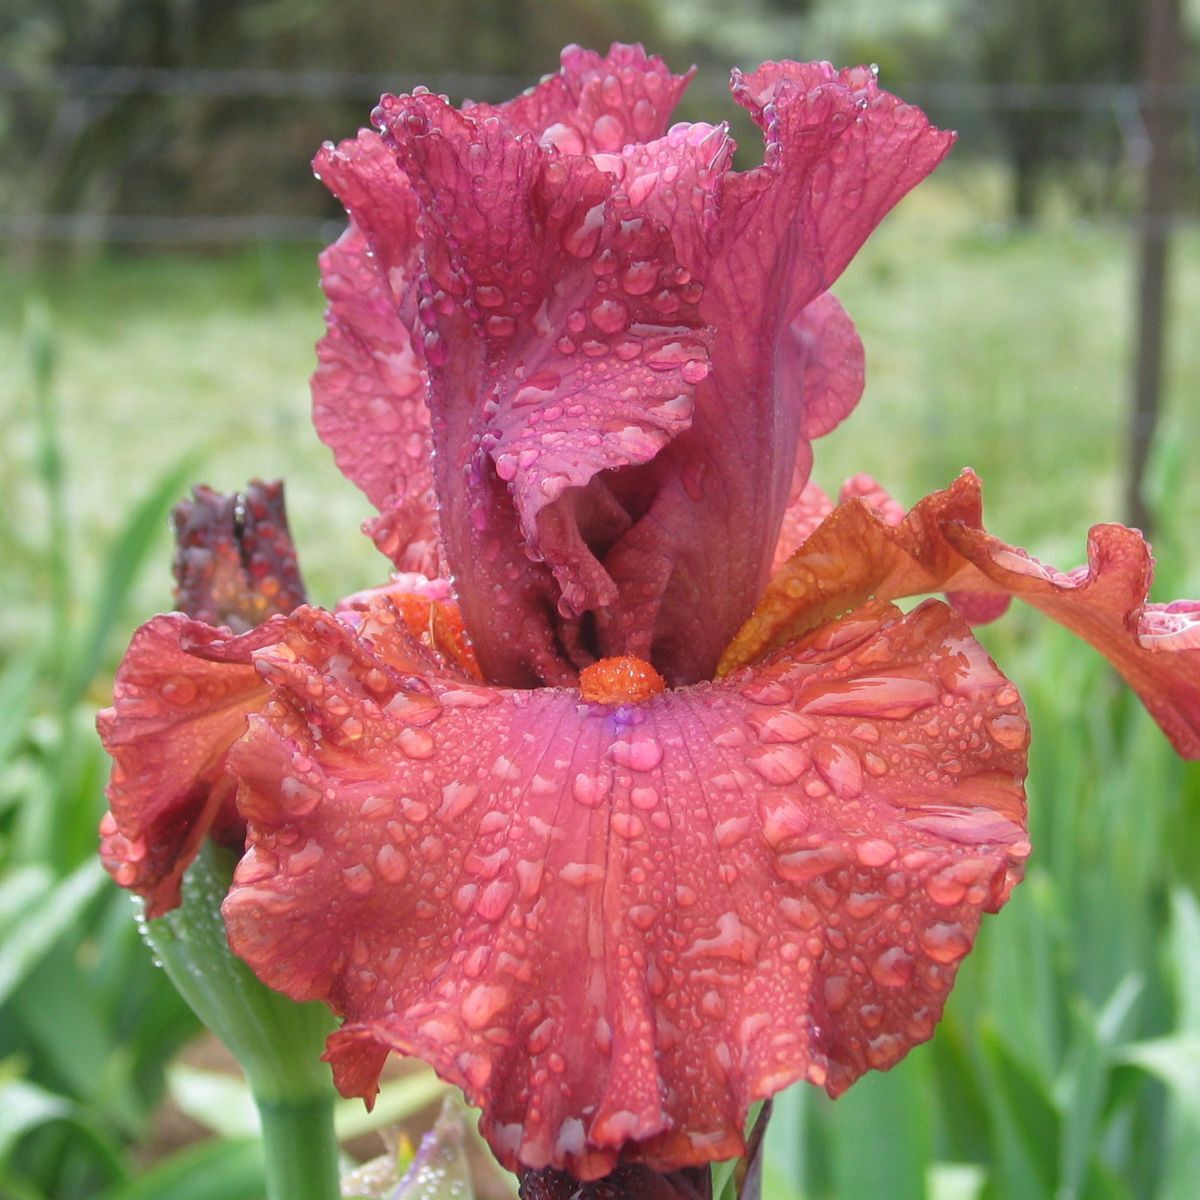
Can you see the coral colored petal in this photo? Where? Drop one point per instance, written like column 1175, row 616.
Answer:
column 368, row 393
column 942, row 545
column 235, row 564
column 868, row 489
column 594, row 104
column 180, row 699
column 616, row 926
column 807, row 508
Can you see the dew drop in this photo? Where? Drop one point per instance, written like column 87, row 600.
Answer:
column 482, row 1003
column 177, row 689
column 840, row 767
column 589, row 789
column 416, row 743
column 875, row 852
column 1009, row 730
column 610, row 315
column 945, row 942
column 393, row 866
column 893, row 968
column 639, row 278
column 494, row 900
column 638, row 754
column 582, row 238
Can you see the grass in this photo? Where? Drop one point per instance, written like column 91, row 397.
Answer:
column 1067, row 1061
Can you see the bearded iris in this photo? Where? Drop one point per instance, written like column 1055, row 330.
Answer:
column 615, row 828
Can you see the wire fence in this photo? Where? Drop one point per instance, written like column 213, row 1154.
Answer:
column 1107, row 120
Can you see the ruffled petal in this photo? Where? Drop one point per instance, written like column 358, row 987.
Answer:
column 942, row 545
column 563, row 341
column 594, row 104
column 616, row 926
column 787, row 363
column 180, row 700
column 184, row 688
column 840, row 152
column 235, row 564
column 368, row 391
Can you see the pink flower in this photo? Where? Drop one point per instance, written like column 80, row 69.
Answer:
column 642, row 837
column 628, row 346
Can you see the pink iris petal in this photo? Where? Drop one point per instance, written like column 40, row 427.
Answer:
column 786, row 364
column 629, row 347
column 594, row 104
column 562, row 340
column 942, row 545
column 368, row 393
column 827, row 370
column 617, row 926
column 180, row 700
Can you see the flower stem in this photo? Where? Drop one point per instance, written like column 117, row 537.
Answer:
column 300, row 1149
column 277, row 1041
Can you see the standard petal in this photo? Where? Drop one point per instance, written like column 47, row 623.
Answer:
column 181, row 697
column 368, row 391
column 616, row 926
column 563, row 341
column 840, row 153
column 942, row 546
column 787, row 363
column 594, row 104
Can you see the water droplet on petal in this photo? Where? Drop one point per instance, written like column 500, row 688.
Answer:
column 1009, row 730
column 416, row 743
column 638, row 754
column 610, row 315
column 582, row 238
column 875, row 852
column 840, row 767
column 177, row 689
column 945, row 942
column 893, row 968
column 481, row 1004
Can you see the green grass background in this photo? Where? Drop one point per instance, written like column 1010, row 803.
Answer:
column 1068, row 1064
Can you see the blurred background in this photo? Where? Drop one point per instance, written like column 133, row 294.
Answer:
column 1030, row 312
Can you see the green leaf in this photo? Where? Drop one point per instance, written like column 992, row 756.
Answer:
column 1082, row 1091
column 216, row 1170
column 121, row 566
column 1027, row 1123
column 881, row 1135
column 25, row 1106
column 30, row 939
column 16, row 688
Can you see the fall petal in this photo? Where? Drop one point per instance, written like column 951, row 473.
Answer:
column 368, row 393
column 616, row 926
column 941, row 545
column 180, row 700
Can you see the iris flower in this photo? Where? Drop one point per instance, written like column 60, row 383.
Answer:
column 618, row 829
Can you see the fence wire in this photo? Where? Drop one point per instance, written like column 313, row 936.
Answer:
column 79, row 95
